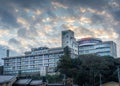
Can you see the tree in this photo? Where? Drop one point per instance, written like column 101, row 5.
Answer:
column 92, row 66
column 1, row 70
column 54, row 78
column 86, row 69
column 65, row 63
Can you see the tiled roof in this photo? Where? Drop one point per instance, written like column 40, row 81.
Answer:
column 36, row 82
column 4, row 78
column 23, row 81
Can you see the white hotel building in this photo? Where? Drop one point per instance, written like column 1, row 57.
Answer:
column 97, row 47
column 34, row 60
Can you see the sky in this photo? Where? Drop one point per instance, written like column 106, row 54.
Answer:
column 25, row 24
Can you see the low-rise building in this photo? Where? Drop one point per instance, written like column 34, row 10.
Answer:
column 6, row 80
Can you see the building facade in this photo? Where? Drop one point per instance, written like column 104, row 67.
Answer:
column 44, row 60
column 97, row 46
column 33, row 61
column 69, row 40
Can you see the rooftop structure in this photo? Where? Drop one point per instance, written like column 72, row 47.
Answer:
column 69, row 40
column 89, row 41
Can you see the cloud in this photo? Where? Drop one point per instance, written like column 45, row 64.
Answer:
column 59, row 5
column 13, row 41
column 97, row 19
column 7, row 18
column 116, row 15
column 22, row 22
column 22, row 33
column 3, row 32
column 30, row 33
column 94, row 4
column 35, row 23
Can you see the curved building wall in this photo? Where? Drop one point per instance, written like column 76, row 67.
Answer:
column 88, row 41
column 96, row 46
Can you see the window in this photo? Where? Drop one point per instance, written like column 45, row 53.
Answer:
column 66, row 36
column 51, row 61
column 51, row 65
column 46, row 61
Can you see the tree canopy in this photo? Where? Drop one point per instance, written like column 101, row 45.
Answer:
column 86, row 69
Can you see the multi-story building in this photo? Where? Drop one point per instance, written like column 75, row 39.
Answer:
column 33, row 61
column 44, row 59
column 69, row 40
column 38, row 59
column 97, row 46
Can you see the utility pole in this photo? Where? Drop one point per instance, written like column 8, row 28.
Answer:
column 100, row 80
column 93, row 78
column 118, row 75
column 64, row 79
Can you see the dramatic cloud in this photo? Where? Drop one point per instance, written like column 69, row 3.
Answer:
column 25, row 24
